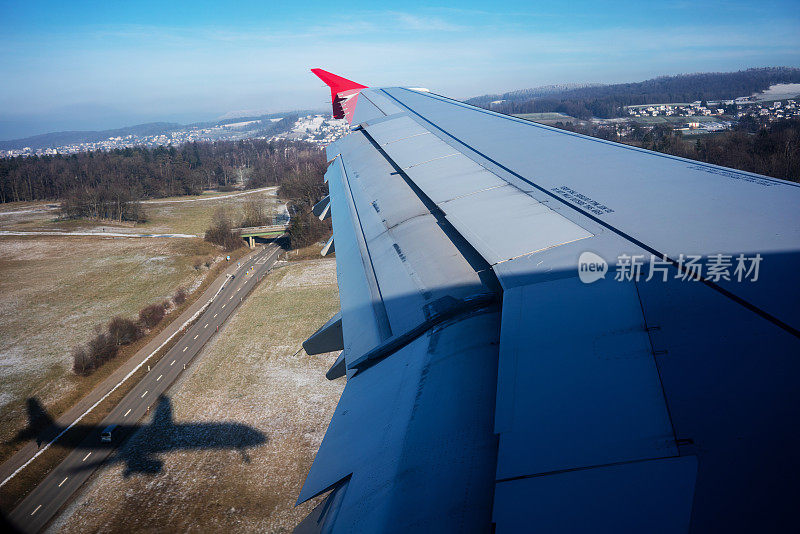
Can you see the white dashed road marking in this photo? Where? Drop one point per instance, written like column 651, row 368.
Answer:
column 143, row 394
column 36, row 510
column 85, row 457
column 129, row 411
column 62, row 482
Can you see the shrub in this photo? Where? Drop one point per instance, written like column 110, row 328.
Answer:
column 254, row 213
column 179, row 297
column 123, row 331
column 221, row 232
column 151, row 315
column 81, row 362
column 305, row 229
column 101, row 347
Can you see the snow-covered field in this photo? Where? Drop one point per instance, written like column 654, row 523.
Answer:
column 249, row 374
column 779, row 92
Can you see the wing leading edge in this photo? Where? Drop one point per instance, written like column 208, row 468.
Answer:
column 487, row 384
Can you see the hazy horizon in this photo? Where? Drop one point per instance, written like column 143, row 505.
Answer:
column 81, row 66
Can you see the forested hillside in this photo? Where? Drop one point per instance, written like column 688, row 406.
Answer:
column 773, row 150
column 608, row 100
column 159, row 172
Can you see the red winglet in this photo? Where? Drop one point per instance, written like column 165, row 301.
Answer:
column 344, row 93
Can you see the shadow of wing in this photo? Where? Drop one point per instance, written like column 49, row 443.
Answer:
column 145, row 465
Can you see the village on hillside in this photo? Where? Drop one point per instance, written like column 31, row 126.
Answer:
column 317, row 129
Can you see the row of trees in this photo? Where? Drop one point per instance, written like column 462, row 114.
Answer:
column 112, row 202
column 119, row 331
column 155, row 172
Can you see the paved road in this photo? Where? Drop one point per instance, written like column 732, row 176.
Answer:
column 52, row 493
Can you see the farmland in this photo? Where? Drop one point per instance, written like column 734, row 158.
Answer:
column 251, row 374
column 55, row 289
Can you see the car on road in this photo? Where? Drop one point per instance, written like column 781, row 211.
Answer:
column 105, row 435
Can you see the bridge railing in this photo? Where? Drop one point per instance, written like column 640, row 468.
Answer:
column 262, row 229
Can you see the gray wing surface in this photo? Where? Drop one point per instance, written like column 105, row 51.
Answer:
column 489, row 387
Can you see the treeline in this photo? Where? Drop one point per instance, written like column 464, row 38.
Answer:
column 110, row 201
column 119, row 331
column 609, row 100
column 152, row 172
column 772, row 151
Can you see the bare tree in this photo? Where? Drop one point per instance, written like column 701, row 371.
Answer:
column 151, row 315
column 221, row 231
column 81, row 362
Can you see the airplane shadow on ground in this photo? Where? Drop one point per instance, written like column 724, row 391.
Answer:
column 140, row 453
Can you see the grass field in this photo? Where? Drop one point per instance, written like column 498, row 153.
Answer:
column 248, row 374
column 183, row 215
column 53, row 291
column 195, row 217
column 547, row 117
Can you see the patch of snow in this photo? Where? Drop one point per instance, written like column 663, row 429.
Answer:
column 779, row 91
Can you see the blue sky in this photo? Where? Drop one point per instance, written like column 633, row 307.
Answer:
column 92, row 65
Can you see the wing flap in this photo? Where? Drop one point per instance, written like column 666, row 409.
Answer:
column 414, row 262
column 327, row 338
column 504, row 223
column 499, row 220
column 363, row 315
column 413, row 434
column 591, row 395
column 653, row 496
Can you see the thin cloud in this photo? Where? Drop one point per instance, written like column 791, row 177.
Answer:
column 425, row 24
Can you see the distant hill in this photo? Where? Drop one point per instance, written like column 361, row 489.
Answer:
column 55, row 139
column 261, row 124
column 608, row 100
column 535, row 92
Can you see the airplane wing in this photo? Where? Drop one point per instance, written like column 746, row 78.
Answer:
column 546, row 331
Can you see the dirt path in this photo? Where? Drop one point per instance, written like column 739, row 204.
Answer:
column 217, row 197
